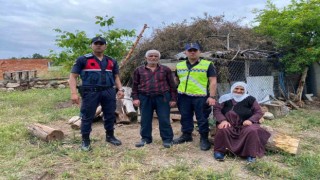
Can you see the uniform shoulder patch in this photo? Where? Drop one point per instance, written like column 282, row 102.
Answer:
column 88, row 55
column 109, row 57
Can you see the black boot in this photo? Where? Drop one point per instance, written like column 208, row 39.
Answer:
column 111, row 139
column 143, row 142
column 185, row 137
column 204, row 142
column 85, row 145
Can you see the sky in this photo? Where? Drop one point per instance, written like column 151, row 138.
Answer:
column 26, row 26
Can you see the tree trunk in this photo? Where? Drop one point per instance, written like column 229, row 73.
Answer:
column 301, row 84
column 45, row 133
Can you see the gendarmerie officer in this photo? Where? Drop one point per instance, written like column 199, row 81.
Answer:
column 99, row 74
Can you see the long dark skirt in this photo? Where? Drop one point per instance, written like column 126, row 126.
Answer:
column 241, row 140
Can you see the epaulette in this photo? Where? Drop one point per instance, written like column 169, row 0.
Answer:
column 88, row 55
column 109, row 57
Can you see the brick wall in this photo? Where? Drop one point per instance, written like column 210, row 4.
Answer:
column 9, row 65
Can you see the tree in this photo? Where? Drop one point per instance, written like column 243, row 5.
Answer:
column 37, row 56
column 77, row 44
column 295, row 31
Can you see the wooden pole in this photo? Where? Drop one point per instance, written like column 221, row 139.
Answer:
column 123, row 62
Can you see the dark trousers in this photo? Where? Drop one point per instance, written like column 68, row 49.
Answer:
column 90, row 102
column 159, row 103
column 190, row 105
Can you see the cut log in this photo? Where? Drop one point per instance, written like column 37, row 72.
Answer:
column 175, row 117
column 281, row 142
column 174, row 110
column 76, row 125
column 98, row 111
column 277, row 142
column 45, row 133
column 75, row 122
column 127, row 103
column 121, row 118
column 73, row 119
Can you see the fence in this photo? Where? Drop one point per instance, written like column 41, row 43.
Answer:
column 261, row 75
column 20, row 76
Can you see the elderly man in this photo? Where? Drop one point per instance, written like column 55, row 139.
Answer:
column 154, row 89
column 196, row 92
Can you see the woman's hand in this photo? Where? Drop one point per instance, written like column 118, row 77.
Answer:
column 247, row 123
column 224, row 124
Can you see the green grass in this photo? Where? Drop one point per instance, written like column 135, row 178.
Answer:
column 304, row 124
column 187, row 171
column 23, row 156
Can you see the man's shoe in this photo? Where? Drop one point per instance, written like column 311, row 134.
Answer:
column 185, row 137
column 218, row 156
column 85, row 145
column 204, row 144
column 251, row 159
column 167, row 144
column 142, row 143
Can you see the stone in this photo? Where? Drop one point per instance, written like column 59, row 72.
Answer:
column 53, row 83
column 268, row 115
column 61, row 86
column 39, row 86
column 12, row 85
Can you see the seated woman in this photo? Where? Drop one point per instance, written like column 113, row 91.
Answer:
column 237, row 115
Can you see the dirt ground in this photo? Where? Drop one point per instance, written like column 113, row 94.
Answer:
column 158, row 155
column 161, row 157
column 312, row 105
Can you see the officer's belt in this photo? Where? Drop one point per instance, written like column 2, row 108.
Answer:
column 94, row 89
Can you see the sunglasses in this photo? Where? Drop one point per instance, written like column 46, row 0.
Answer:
column 98, row 43
column 192, row 50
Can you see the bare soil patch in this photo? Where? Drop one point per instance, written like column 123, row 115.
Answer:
column 312, row 105
column 158, row 156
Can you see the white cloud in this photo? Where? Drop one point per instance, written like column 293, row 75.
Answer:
column 27, row 26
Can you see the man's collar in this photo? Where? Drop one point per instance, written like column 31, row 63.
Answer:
column 196, row 62
column 145, row 65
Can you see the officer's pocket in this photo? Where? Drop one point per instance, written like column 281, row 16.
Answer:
column 84, row 94
column 87, row 94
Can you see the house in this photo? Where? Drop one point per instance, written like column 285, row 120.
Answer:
column 13, row 65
